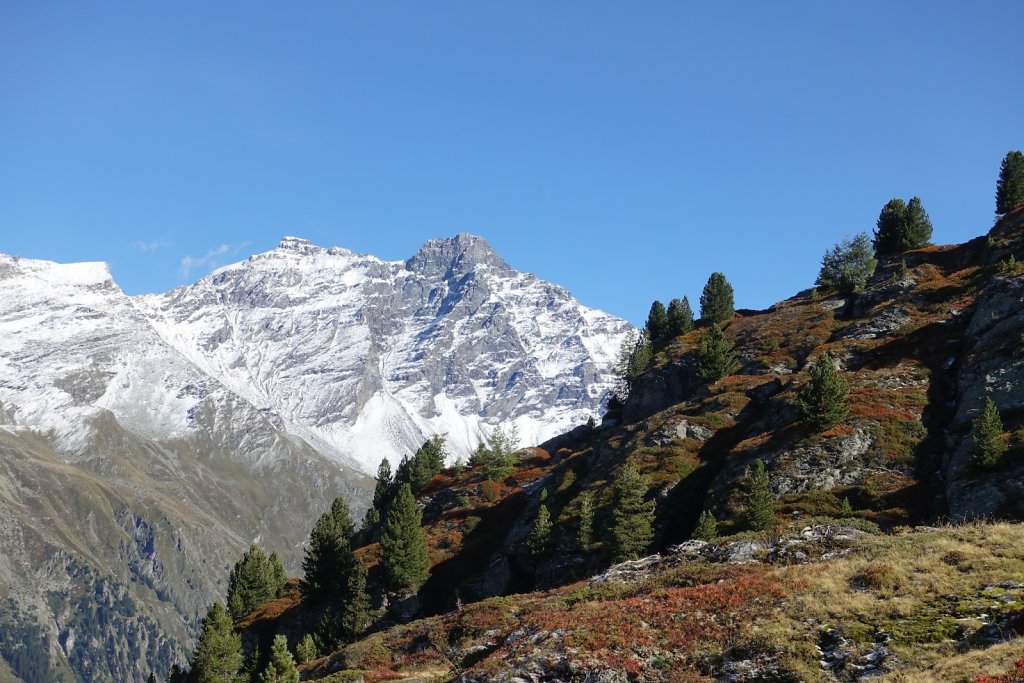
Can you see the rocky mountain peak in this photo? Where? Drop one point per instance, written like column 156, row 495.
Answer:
column 297, row 245
column 456, row 254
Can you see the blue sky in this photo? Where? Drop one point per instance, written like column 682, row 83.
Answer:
column 623, row 150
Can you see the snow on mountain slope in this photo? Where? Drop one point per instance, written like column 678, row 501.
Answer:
column 364, row 358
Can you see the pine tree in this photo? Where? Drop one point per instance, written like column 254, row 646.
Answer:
column 1010, row 186
column 634, row 356
column 657, row 321
column 716, row 301
column 281, row 667
column 760, row 504
column 305, row 649
column 891, row 228
column 356, row 615
column 280, row 577
column 251, row 583
column 328, row 557
column 846, row 267
column 586, row 533
column 342, row 517
column 218, row 654
column 680, row 317
column 539, row 541
column 823, row 398
column 152, row 678
column 902, row 226
column 383, row 491
column 919, row 225
column 403, row 544
column 348, row 614
column 715, row 359
column 632, row 516
column 989, row 446
column 707, row 527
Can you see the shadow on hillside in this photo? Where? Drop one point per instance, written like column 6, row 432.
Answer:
column 454, row 575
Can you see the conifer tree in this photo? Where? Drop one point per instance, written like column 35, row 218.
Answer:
column 383, row 490
column 251, row 583
column 280, row 577
column 1010, row 186
column 342, row 517
column 218, row 654
column 348, row 614
column 919, row 225
column 715, row 359
column 823, row 398
column 403, row 544
column 281, row 667
column 989, row 446
column 680, row 317
column 355, row 616
column 632, row 516
column 497, row 454
column 586, row 531
column 901, row 226
column 152, row 678
column 846, row 267
column 707, row 527
column 760, row 503
column 716, row 301
column 305, row 649
column 657, row 321
column 329, row 558
column 634, row 356
column 539, row 541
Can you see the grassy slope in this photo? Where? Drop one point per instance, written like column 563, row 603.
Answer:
column 933, row 591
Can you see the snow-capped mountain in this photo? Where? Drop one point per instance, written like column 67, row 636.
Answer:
column 364, row 358
column 358, row 357
column 145, row 442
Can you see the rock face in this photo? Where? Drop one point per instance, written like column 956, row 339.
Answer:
column 365, row 358
column 146, row 442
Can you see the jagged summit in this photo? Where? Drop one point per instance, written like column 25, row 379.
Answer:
column 457, row 254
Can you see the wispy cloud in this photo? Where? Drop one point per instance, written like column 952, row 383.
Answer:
column 151, row 247
column 209, row 261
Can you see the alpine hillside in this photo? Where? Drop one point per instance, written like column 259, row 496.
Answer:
column 146, row 441
column 825, row 490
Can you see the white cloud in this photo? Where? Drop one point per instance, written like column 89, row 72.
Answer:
column 208, row 262
column 150, row 247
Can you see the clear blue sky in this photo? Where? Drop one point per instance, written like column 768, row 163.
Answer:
column 624, row 150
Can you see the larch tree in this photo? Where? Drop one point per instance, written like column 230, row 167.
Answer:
column 632, row 516
column 716, row 301
column 1010, row 186
column 846, row 267
column 403, row 544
